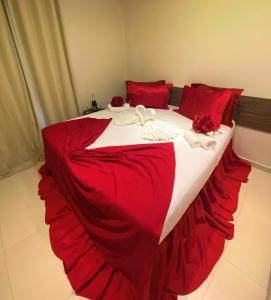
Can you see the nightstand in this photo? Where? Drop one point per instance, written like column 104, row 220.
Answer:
column 90, row 111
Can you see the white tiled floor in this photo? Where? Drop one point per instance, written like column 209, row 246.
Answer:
column 29, row 269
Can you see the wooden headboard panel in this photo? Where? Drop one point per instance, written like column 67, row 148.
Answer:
column 251, row 112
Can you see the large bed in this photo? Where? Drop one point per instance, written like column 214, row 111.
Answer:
column 198, row 217
column 193, row 166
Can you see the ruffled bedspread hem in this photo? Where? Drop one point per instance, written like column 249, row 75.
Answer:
column 182, row 261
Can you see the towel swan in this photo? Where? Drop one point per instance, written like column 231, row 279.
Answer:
column 154, row 130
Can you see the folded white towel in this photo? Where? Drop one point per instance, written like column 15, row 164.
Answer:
column 192, row 138
column 198, row 139
column 126, row 118
column 207, row 142
column 119, row 108
column 155, row 130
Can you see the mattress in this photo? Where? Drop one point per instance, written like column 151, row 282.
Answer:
column 193, row 165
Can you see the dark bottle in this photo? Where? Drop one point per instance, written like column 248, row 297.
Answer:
column 94, row 105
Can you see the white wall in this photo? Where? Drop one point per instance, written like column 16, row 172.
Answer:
column 219, row 42
column 95, row 37
column 253, row 145
column 222, row 42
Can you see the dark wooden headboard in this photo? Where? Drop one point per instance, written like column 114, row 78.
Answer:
column 251, row 112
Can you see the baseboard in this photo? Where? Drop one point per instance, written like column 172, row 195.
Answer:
column 257, row 165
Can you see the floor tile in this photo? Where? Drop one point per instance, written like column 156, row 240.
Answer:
column 255, row 220
column 244, row 190
column 262, row 177
column 258, row 198
column 250, row 250
column 35, row 272
column 259, row 195
column 5, row 289
column 253, row 231
column 21, row 210
column 229, row 283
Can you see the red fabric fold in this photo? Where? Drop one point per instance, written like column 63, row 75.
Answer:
column 177, row 266
column 188, row 254
column 120, row 195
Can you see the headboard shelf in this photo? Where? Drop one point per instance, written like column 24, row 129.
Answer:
column 251, row 112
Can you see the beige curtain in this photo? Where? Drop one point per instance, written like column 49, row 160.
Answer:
column 18, row 135
column 36, row 83
column 36, row 27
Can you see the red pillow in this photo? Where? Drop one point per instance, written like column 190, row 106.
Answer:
column 197, row 101
column 230, row 107
column 156, row 96
column 129, row 88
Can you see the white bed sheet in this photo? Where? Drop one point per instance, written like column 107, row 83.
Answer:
column 193, row 165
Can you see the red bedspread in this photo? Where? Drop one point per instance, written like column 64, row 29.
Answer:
column 120, row 194
column 106, row 209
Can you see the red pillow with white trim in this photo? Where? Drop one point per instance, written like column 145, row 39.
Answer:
column 197, row 101
column 155, row 96
column 230, row 107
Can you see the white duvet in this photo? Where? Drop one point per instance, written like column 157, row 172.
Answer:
column 193, row 165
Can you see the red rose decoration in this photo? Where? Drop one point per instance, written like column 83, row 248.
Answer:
column 203, row 124
column 117, row 101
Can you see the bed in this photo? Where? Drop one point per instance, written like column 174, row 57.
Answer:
column 193, row 166
column 198, row 217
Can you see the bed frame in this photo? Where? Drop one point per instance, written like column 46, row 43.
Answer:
column 251, row 112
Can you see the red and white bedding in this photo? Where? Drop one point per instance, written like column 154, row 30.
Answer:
column 193, row 166
column 109, row 207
